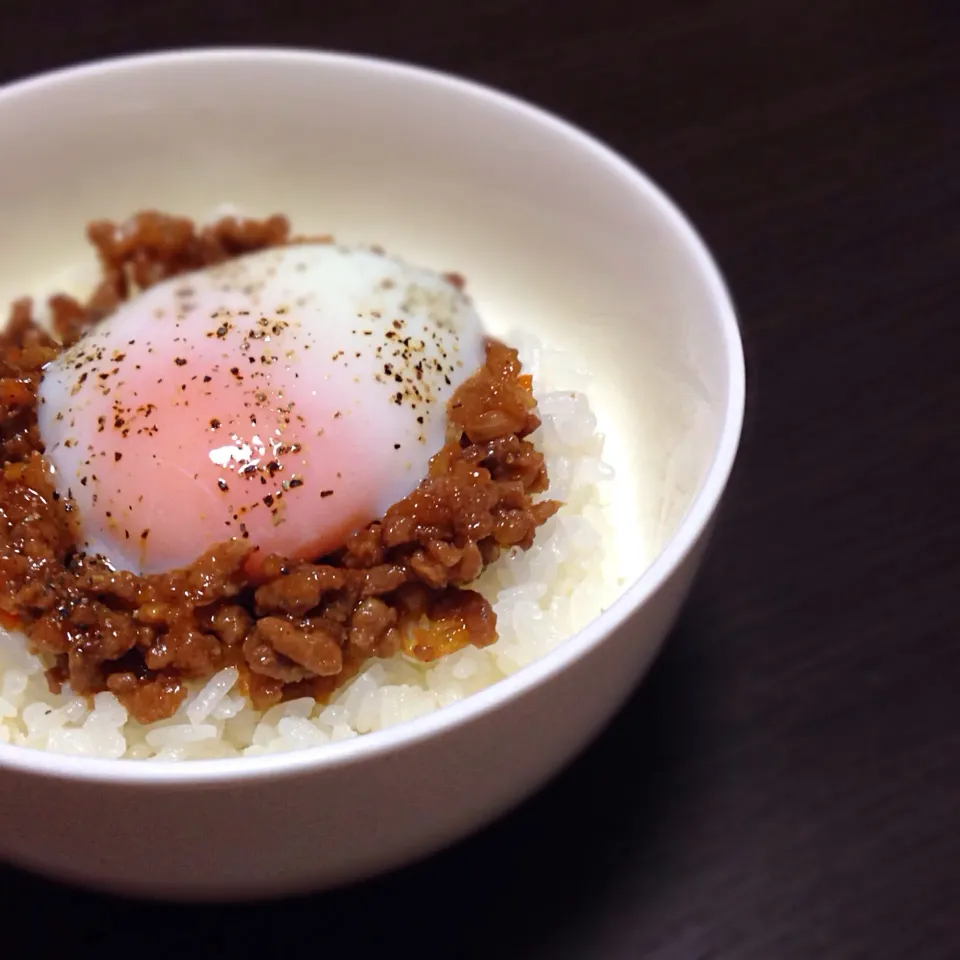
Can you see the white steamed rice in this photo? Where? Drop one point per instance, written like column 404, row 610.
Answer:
column 541, row 597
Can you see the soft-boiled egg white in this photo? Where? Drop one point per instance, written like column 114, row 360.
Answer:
column 286, row 397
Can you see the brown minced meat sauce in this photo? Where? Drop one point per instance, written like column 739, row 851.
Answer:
column 299, row 628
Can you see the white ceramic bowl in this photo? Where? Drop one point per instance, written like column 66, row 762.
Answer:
column 556, row 234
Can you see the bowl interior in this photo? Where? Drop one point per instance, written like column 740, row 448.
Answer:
column 555, row 235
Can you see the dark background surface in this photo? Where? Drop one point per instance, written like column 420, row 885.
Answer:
column 786, row 784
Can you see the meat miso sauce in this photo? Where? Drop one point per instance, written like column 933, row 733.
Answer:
column 295, row 625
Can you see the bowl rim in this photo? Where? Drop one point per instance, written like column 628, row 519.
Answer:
column 691, row 528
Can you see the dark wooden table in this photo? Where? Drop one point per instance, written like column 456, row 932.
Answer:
column 787, row 782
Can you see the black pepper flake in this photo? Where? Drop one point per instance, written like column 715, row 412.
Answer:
column 396, row 446
column 144, row 534
column 326, row 493
column 207, row 379
column 222, row 484
column 214, row 424
column 268, row 500
column 295, row 482
column 117, row 457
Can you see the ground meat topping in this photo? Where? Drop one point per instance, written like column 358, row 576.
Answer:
column 299, row 628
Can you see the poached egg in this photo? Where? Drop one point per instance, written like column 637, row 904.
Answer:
column 285, row 397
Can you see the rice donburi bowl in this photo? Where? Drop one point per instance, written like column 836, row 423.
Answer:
column 605, row 292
